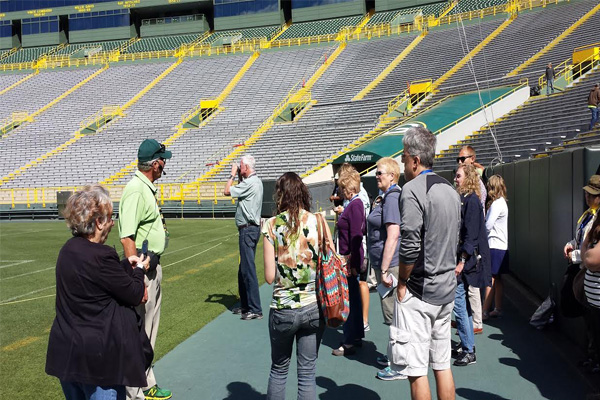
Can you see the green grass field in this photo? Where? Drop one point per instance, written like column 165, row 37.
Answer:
column 199, row 283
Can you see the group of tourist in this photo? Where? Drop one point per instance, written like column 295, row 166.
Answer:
column 423, row 270
column 435, row 249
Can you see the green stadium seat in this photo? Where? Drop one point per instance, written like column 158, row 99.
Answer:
column 316, row 28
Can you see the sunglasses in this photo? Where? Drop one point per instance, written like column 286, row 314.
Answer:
column 462, row 159
column 379, row 173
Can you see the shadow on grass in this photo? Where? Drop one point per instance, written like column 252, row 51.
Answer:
column 472, row 394
column 345, row 392
column 228, row 300
column 243, row 391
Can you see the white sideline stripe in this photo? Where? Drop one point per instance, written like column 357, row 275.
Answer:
column 200, row 233
column 14, row 262
column 23, row 301
column 199, row 244
column 192, row 256
column 28, row 273
column 26, row 294
column 23, row 233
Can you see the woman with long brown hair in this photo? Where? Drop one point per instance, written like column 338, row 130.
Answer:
column 473, row 254
column 291, row 255
column 496, row 224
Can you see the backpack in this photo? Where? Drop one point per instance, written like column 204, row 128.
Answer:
column 394, row 190
column 331, row 281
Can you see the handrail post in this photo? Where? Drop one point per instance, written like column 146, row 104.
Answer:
column 12, row 197
column 44, row 197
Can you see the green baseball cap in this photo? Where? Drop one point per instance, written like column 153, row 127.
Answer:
column 150, row 149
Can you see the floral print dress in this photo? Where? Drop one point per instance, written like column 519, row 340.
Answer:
column 296, row 259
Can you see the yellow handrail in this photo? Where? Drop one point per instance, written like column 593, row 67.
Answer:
column 575, row 70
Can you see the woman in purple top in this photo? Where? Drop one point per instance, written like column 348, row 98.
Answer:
column 351, row 229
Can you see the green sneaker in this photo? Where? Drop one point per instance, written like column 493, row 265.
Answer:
column 156, row 393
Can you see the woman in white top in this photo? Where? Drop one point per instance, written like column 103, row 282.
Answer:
column 496, row 223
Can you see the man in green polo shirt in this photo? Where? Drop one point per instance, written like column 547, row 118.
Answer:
column 249, row 193
column 140, row 219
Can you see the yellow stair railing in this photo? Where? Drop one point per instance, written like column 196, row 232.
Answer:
column 180, row 130
column 15, row 120
column 391, row 66
column 8, row 53
column 22, row 80
column 556, row 41
column 270, row 121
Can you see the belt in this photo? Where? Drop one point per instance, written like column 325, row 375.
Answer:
column 246, row 225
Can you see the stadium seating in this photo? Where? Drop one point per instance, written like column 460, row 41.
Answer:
column 41, row 90
column 106, row 46
column 492, row 64
column 436, row 54
column 323, row 129
column 160, row 43
column 315, row 28
column 585, row 34
column 472, row 5
column 114, row 86
column 251, row 33
column 26, row 54
column 540, row 123
column 249, row 104
column 8, row 79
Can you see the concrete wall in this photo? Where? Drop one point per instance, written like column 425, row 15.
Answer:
column 44, row 39
column 346, row 9
column 458, row 132
column 102, row 34
column 180, row 28
column 249, row 21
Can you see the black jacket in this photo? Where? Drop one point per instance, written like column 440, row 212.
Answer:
column 96, row 338
column 474, row 241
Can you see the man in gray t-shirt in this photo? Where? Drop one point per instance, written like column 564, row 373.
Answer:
column 249, row 193
column 430, row 222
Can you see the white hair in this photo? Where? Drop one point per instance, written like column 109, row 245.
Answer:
column 249, row 161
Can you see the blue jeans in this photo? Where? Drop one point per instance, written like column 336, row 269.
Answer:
column 464, row 320
column 595, row 117
column 306, row 326
column 354, row 329
column 81, row 391
column 549, row 84
column 247, row 281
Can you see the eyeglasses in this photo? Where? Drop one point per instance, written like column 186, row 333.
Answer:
column 461, row 160
column 379, row 173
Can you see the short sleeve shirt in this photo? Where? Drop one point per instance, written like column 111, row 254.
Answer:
column 249, row 193
column 377, row 233
column 139, row 215
column 296, row 260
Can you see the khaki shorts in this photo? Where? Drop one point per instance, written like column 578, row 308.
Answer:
column 419, row 336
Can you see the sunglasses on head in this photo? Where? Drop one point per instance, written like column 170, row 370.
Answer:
column 462, row 159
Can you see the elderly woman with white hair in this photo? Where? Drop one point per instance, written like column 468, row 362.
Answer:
column 96, row 346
